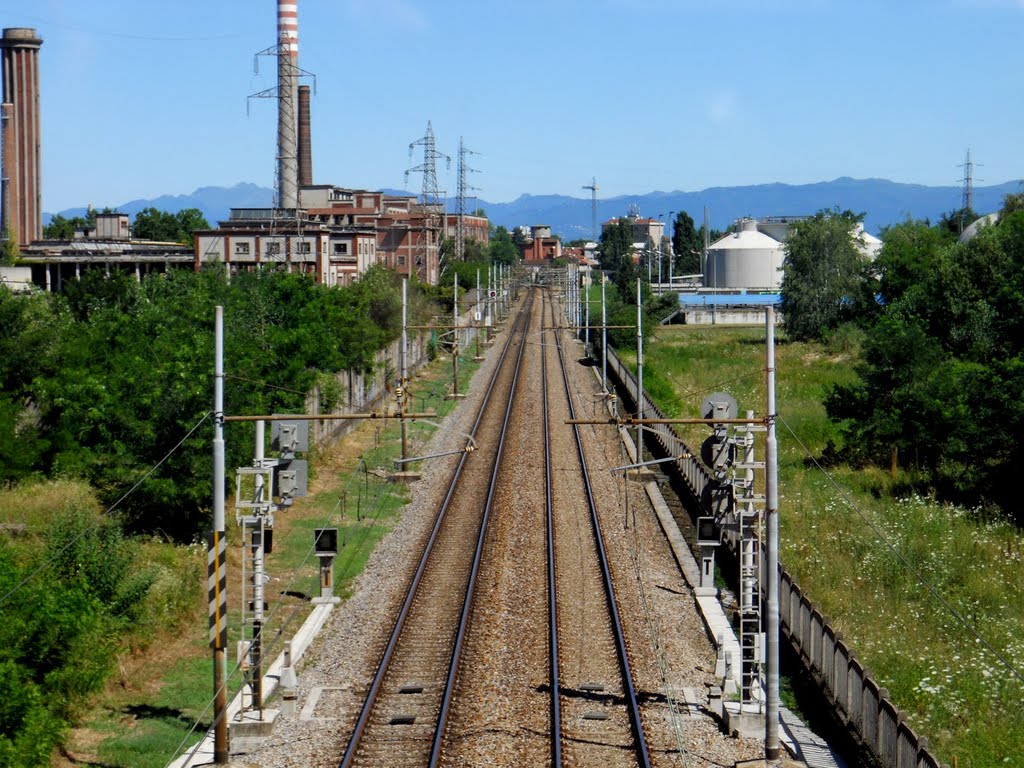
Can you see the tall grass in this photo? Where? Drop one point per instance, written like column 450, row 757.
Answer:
column 920, row 590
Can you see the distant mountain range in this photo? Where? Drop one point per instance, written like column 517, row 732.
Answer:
column 884, row 202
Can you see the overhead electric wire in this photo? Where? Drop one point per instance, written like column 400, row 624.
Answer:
column 921, row 578
column 46, row 564
column 263, row 384
column 51, row 22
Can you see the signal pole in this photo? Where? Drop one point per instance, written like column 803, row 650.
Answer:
column 404, row 373
column 217, row 577
column 639, row 376
column 604, row 338
column 771, row 736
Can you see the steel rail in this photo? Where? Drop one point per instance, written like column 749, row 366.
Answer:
column 556, row 685
column 364, row 715
column 467, row 605
column 620, row 641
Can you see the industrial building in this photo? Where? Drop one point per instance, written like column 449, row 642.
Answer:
column 20, row 179
column 108, row 246
column 539, row 244
column 751, row 257
column 334, row 234
column 644, row 230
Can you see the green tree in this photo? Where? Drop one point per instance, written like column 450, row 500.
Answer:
column 824, row 275
column 1012, row 203
column 502, row 250
column 687, row 245
column 153, row 224
column 616, row 245
column 910, row 250
column 941, row 388
column 189, row 220
column 475, row 251
column 953, row 223
column 519, row 238
column 9, row 252
column 61, row 228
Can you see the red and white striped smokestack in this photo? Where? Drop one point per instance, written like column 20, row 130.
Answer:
column 287, row 80
column 288, row 27
column 305, row 140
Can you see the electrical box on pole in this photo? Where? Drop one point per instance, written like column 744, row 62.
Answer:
column 289, row 437
column 325, row 544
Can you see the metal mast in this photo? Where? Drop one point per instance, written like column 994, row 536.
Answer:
column 968, row 180
column 286, row 92
column 460, row 201
column 433, row 203
column 593, row 206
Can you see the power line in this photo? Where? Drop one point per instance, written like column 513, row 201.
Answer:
column 432, row 202
column 460, row 200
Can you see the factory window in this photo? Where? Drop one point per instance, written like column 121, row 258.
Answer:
column 401, row 261
column 341, row 249
column 241, row 249
column 302, row 248
column 273, row 249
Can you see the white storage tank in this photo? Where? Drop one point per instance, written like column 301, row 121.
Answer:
column 746, row 260
column 866, row 243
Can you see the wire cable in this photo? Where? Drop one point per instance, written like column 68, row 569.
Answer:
column 263, row 384
column 921, row 578
column 47, row 563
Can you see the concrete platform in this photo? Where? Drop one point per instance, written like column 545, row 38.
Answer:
column 404, row 477
column 251, row 724
column 743, row 721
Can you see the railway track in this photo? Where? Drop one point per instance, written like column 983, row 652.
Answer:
column 402, row 719
column 508, row 646
column 596, row 712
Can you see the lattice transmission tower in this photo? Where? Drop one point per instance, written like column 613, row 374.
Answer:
column 460, row 200
column 967, row 198
column 967, row 201
column 432, row 198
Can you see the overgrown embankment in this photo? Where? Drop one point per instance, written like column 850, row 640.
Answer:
column 931, row 596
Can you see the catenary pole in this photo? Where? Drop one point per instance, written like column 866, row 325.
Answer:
column 604, row 337
column 455, row 347
column 639, row 376
column 221, row 753
column 586, row 306
column 771, row 734
column 403, row 374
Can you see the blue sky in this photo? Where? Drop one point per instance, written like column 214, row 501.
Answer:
column 141, row 98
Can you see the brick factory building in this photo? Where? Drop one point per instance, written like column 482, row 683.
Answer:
column 540, row 245
column 336, row 235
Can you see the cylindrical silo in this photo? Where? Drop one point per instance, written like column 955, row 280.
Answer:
column 745, row 260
